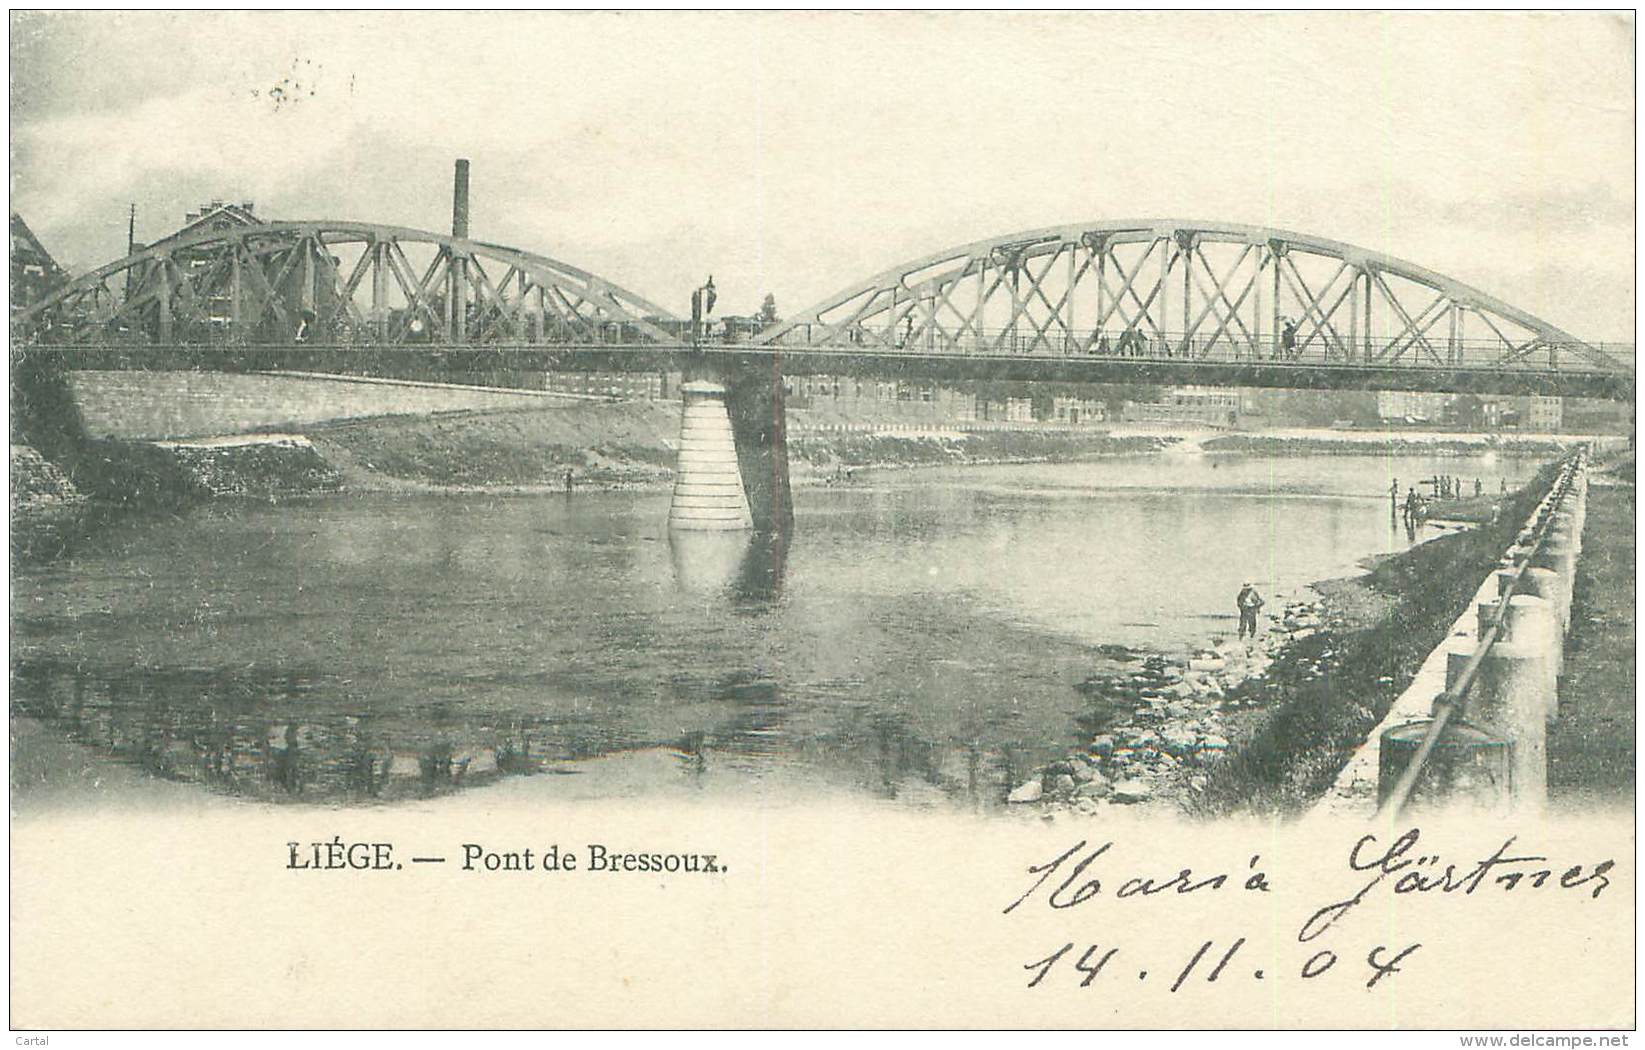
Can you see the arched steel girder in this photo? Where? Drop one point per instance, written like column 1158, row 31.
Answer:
column 1183, row 288
column 345, row 283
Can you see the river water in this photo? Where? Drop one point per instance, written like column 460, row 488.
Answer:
column 918, row 641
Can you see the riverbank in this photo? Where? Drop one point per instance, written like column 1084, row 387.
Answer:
column 825, row 456
column 486, row 440
column 1324, row 694
column 1165, row 722
column 44, row 503
column 605, row 446
column 601, row 446
column 631, row 445
column 1377, row 442
column 1234, row 728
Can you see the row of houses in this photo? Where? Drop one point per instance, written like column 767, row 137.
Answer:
column 1546, row 414
column 867, row 400
column 856, row 399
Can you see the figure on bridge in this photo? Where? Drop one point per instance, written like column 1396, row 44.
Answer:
column 1288, row 339
column 702, row 304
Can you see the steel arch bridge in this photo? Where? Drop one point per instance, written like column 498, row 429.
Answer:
column 338, row 283
column 1149, row 301
column 1187, row 291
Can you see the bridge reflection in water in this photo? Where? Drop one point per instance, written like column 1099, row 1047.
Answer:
column 206, row 731
column 747, row 567
column 242, row 733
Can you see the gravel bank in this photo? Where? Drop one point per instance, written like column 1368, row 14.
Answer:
column 1169, row 720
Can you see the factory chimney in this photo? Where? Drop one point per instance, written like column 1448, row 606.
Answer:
column 459, row 201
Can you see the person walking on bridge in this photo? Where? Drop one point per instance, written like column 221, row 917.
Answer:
column 1248, row 601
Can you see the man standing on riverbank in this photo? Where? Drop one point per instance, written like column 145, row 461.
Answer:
column 1249, row 601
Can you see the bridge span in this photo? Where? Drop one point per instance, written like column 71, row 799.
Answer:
column 1156, row 301
column 1270, row 370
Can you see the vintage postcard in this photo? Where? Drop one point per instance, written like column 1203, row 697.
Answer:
column 823, row 520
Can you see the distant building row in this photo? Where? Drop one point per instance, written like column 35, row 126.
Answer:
column 869, row 400
column 1470, row 410
column 908, row 401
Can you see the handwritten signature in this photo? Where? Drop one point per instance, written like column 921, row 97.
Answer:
column 1074, row 877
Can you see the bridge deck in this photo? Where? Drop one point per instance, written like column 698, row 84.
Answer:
column 470, row 360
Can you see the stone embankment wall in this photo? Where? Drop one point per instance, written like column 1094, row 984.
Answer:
column 144, row 406
column 1516, row 691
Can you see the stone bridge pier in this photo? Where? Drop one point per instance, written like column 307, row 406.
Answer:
column 732, row 467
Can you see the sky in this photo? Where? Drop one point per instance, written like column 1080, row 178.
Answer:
column 798, row 154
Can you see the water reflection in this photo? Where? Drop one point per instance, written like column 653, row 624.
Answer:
column 707, row 562
column 921, row 639
column 205, row 728
column 760, row 576
column 748, row 567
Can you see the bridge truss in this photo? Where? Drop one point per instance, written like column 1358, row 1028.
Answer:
column 1189, row 291
column 341, row 283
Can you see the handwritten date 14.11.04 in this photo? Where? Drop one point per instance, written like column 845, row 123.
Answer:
column 1208, row 963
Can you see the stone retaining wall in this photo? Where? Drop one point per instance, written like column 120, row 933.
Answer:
column 138, row 406
column 1355, row 791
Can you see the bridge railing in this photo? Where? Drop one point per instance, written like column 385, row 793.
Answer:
column 222, row 334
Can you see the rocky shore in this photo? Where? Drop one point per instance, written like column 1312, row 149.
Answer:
column 44, row 503
column 39, row 488
column 53, row 507
column 1167, row 719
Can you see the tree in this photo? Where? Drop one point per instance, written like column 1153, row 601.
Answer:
column 768, row 309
